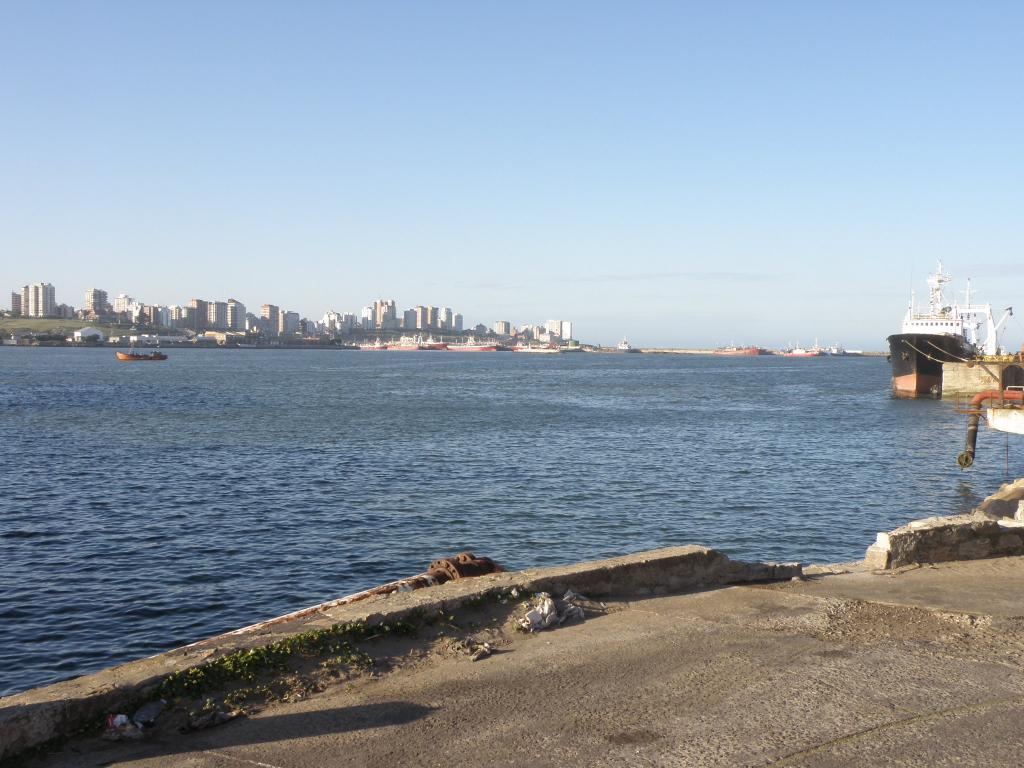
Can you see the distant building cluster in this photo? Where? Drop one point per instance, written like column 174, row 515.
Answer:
column 228, row 318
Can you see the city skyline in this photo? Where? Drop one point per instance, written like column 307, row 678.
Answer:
column 38, row 300
column 685, row 175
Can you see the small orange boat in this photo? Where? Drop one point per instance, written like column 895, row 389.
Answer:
column 131, row 357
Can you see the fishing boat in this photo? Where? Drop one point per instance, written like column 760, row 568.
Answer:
column 939, row 333
column 799, row 351
column 472, row 345
column 430, row 344
column 132, row 357
column 416, row 344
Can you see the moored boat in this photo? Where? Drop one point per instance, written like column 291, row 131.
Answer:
column 132, row 357
column 537, row 350
column 802, row 352
column 625, row 346
column 472, row 345
column 941, row 334
column 416, row 344
column 750, row 351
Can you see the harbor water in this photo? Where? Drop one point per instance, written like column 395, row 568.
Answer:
column 147, row 505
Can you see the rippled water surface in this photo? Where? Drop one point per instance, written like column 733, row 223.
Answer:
column 146, row 506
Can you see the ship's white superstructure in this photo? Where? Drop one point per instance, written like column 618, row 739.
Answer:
column 963, row 321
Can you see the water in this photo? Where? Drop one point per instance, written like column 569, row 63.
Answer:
column 144, row 506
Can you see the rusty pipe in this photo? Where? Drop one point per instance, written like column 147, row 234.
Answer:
column 966, row 458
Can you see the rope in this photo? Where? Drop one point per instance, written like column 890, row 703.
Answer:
column 923, row 353
column 961, row 359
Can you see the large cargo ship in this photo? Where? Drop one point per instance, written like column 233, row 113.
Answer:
column 942, row 333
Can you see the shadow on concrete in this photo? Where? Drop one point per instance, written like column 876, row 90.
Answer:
column 242, row 732
column 301, row 725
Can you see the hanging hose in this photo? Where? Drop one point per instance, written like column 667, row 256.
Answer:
column 966, row 458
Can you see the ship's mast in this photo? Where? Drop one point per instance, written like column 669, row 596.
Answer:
column 935, row 283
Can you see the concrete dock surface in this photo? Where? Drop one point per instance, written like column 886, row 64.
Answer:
column 915, row 667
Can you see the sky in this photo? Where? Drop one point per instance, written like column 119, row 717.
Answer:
column 681, row 174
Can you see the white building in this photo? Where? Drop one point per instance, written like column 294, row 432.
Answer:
column 38, row 300
column 367, row 320
column 122, row 302
column 559, row 328
column 88, row 334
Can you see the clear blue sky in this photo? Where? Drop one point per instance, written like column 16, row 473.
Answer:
column 680, row 173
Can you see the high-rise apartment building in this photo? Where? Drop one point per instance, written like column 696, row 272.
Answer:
column 270, row 314
column 200, row 314
column 409, row 319
column 159, row 315
column 503, row 328
column 175, row 316
column 367, row 320
column 289, row 323
column 38, row 300
column 217, row 315
column 236, row 315
column 445, row 318
column 421, row 318
column 95, row 301
column 560, row 328
column 15, row 302
column 457, row 322
column 122, row 301
column 385, row 314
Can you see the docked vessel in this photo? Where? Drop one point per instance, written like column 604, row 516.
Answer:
column 373, row 346
column 472, row 345
column 416, row 344
column 430, row 343
column 746, row 351
column 537, row 350
column 938, row 334
column 625, row 346
column 799, row 351
column 133, row 357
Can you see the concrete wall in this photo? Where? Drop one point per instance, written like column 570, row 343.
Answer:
column 971, row 378
column 941, row 539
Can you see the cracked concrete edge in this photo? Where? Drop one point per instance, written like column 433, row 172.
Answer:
column 54, row 712
column 945, row 539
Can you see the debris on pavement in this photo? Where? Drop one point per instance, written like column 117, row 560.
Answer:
column 544, row 611
column 476, row 651
column 120, row 727
column 146, row 715
column 209, row 715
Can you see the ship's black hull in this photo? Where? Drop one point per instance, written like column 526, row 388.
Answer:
column 917, row 360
